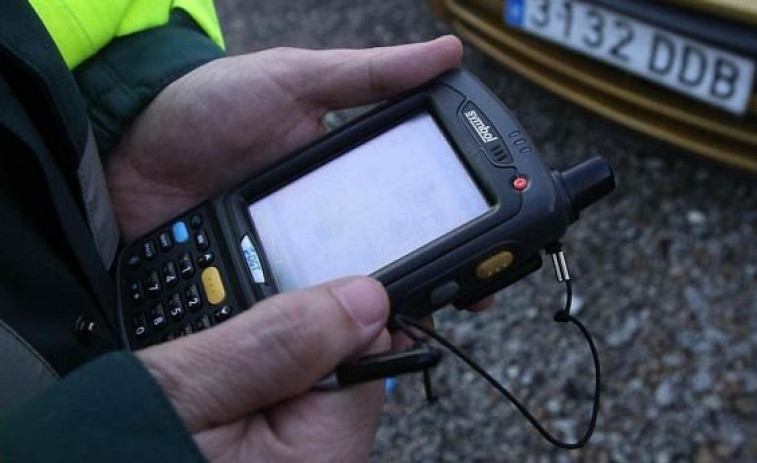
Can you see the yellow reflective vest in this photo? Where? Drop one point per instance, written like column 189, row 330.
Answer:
column 81, row 28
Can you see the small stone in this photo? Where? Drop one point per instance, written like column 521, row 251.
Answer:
column 750, row 271
column 665, row 394
column 702, row 381
column 696, row 218
column 694, row 299
column 635, row 385
column 553, row 406
column 749, row 380
column 624, row 334
column 672, row 360
column 527, row 378
column 712, row 402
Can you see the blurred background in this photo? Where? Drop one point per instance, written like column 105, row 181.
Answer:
column 664, row 274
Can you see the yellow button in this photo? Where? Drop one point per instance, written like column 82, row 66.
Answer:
column 494, row 264
column 214, row 290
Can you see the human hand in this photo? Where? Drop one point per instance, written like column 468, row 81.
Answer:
column 222, row 122
column 243, row 387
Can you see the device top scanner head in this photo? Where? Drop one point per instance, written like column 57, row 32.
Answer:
column 585, row 183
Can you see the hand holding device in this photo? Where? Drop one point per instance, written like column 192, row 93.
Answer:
column 186, row 147
column 242, row 388
column 218, row 125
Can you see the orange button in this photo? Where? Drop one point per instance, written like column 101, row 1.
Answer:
column 494, row 264
column 211, row 281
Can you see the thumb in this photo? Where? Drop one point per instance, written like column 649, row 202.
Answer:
column 278, row 349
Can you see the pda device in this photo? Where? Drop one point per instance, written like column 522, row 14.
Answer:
column 439, row 194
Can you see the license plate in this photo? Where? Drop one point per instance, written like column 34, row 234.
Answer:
column 702, row 71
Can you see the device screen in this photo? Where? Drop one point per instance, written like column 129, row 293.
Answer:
column 367, row 208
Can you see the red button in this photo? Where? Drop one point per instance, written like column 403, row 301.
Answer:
column 520, row 183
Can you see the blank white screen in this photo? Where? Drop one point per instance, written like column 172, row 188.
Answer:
column 367, row 208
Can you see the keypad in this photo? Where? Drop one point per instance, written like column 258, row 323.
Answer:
column 174, row 284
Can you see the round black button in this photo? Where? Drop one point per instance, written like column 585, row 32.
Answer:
column 224, row 313
column 195, row 221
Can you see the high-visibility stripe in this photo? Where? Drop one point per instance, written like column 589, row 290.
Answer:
column 80, row 28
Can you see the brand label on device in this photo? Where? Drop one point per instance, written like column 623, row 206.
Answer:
column 480, row 123
column 253, row 260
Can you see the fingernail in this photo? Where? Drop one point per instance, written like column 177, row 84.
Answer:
column 364, row 301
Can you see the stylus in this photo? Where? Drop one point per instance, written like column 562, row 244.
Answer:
column 380, row 366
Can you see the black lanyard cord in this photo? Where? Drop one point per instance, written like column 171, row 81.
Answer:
column 404, row 323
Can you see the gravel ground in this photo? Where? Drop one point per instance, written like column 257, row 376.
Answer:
column 664, row 271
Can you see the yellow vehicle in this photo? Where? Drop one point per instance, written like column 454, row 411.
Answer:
column 679, row 70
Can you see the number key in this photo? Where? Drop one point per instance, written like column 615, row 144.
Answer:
column 194, row 300
column 175, row 307
column 186, row 268
column 153, row 283
column 170, row 278
column 140, row 326
column 158, row 316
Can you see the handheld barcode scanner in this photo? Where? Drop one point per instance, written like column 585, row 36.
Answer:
column 440, row 195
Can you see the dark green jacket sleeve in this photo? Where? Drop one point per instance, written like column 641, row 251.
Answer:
column 109, row 410
column 120, row 80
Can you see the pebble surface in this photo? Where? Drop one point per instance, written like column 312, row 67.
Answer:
column 665, row 271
